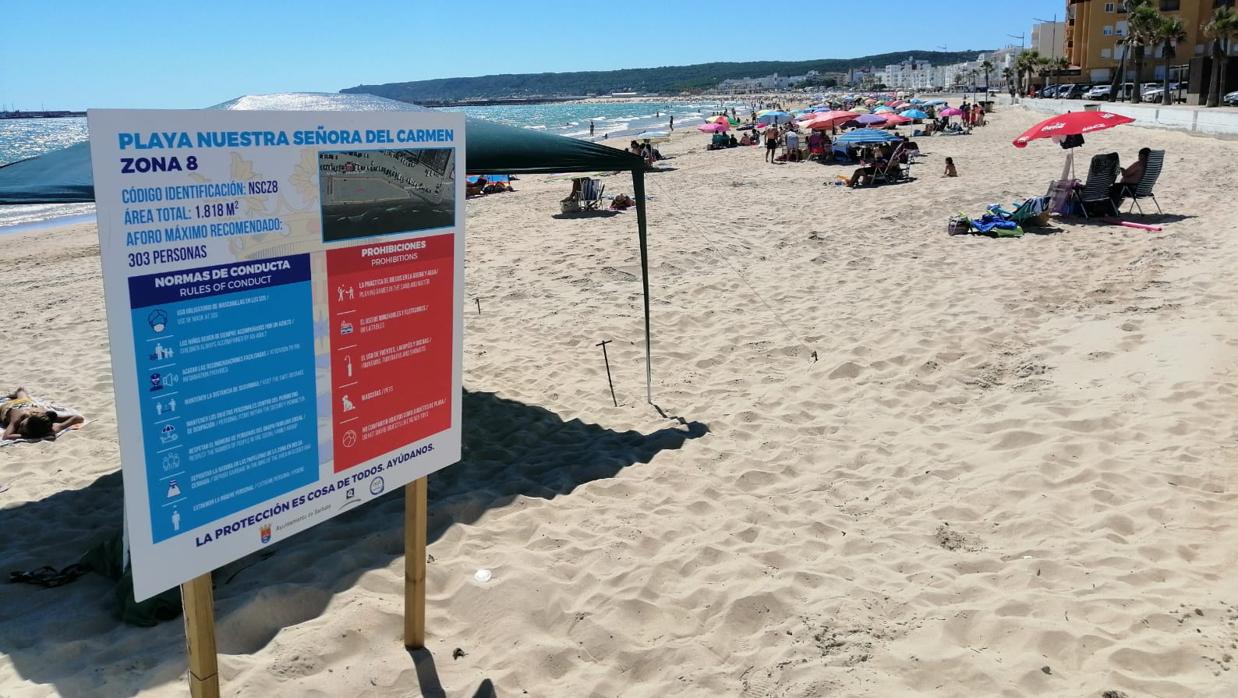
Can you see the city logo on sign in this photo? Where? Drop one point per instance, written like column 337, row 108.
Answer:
column 266, row 533
column 377, row 486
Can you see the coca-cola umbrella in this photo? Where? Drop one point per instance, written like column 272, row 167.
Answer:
column 1075, row 123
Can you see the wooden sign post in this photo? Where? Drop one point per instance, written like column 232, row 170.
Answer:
column 415, row 564
column 198, row 601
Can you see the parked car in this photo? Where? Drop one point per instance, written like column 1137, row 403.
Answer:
column 1156, row 91
column 1075, row 91
column 1231, row 99
column 1097, row 92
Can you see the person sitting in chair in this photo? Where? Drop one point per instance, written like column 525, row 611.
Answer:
column 874, row 160
column 1130, row 177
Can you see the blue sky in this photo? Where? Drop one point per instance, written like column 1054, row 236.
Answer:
column 65, row 54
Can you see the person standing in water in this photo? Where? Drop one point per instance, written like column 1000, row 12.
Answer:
column 672, row 122
column 591, row 128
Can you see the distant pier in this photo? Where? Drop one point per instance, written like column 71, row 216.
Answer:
column 40, row 114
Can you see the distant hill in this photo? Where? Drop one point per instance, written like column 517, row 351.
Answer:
column 664, row 80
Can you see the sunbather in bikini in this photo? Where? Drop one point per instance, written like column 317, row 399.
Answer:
column 25, row 418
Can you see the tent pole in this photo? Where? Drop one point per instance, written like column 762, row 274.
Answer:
column 638, row 188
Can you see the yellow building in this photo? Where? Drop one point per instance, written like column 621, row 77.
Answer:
column 1094, row 28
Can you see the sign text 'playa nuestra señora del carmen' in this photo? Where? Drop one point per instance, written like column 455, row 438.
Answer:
column 284, row 309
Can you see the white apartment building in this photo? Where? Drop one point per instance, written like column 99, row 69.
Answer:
column 909, row 74
column 769, row 82
column 1049, row 39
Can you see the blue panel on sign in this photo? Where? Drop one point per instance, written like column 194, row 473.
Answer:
column 226, row 379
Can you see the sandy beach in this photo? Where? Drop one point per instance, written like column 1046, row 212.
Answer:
column 887, row 461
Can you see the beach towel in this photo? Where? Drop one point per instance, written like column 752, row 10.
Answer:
column 996, row 226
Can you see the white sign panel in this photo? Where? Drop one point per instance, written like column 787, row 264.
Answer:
column 284, row 294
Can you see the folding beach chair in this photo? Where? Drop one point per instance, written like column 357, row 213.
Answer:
column 894, row 171
column 1143, row 190
column 591, row 194
column 586, row 195
column 1034, row 210
column 1102, row 174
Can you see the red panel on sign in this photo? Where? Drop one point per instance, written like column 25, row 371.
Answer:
column 391, row 345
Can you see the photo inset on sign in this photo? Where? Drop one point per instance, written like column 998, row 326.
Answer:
column 377, row 192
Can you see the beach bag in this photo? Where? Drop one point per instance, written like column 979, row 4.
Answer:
column 958, row 225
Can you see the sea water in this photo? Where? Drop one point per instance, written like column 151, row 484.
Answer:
column 612, row 120
column 25, row 138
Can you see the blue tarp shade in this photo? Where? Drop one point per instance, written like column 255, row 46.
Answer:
column 867, row 135
column 59, row 177
column 64, row 176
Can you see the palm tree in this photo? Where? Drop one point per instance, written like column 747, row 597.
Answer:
column 1142, row 30
column 1060, row 64
column 1120, row 75
column 1044, row 68
column 1124, row 44
column 1054, row 66
column 1169, row 32
column 1221, row 30
column 1026, row 63
column 987, row 67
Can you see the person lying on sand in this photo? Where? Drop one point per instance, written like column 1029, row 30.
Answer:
column 475, row 188
column 24, row 418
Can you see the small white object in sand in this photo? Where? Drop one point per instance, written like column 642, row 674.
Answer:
column 482, row 575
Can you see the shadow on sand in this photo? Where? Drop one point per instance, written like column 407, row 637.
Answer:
column 594, row 213
column 510, row 449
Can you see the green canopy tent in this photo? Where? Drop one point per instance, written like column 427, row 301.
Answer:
column 64, row 176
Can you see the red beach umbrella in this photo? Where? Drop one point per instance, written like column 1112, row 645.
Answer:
column 1075, row 123
column 830, row 119
column 897, row 119
column 715, row 127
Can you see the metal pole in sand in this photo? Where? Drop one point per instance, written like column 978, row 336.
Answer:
column 608, row 380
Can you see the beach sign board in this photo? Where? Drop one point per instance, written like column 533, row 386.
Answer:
column 284, row 294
